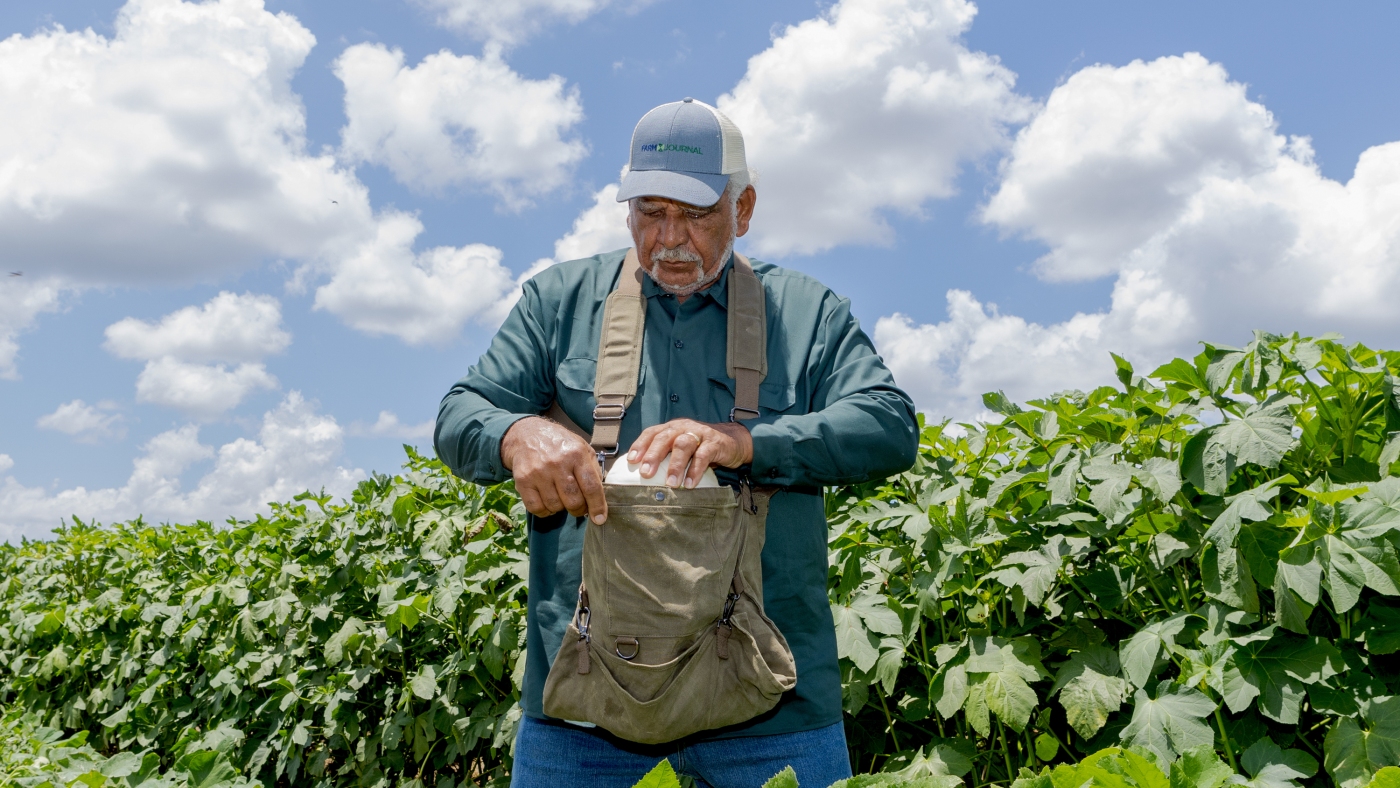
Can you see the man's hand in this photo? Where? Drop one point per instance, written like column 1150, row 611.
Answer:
column 554, row 469
column 695, row 442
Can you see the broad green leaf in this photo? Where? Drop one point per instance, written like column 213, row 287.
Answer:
column 121, row 765
column 1380, row 627
column 1248, row 505
column 1274, row 670
column 853, row 642
column 1199, row 767
column 1261, row 436
column 424, row 684
column 207, row 769
column 1170, row 723
column 1108, row 495
column 1161, row 476
column 998, row 402
column 787, row 778
column 660, row 776
column 1206, row 464
column 1265, row 753
column 1038, row 569
column 1064, row 476
column 1387, row 777
column 1090, row 689
column 1225, row 576
column 1377, row 512
column 1046, row 747
column 887, row 668
column 1355, row 750
column 950, row 690
column 1138, row 655
column 875, row 611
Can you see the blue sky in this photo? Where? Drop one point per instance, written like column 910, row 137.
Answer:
column 1019, row 158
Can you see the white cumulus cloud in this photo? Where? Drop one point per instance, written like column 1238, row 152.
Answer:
column 458, row 119
column 296, row 449
column 6, row 463
column 203, row 390
column 510, row 22
column 21, row 301
column 230, row 327
column 173, row 150
column 388, row 288
column 873, row 106
column 86, row 423
column 1166, row 176
column 388, row 425
column 185, row 352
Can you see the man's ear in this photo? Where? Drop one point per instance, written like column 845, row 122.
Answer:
column 746, row 202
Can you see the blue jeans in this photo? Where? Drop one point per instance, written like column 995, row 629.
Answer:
column 553, row 754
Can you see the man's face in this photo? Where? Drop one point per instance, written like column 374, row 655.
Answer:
column 680, row 244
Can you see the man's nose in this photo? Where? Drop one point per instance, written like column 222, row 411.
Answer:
column 674, row 232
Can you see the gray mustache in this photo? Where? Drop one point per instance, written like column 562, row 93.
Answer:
column 678, row 255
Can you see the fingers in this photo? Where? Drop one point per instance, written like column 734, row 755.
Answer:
column 641, row 445
column 705, row 456
column 541, row 500
column 683, row 447
column 590, row 482
column 658, row 445
column 567, row 488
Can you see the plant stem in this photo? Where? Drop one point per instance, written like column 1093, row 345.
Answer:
column 1005, row 750
column 1225, row 739
column 889, row 721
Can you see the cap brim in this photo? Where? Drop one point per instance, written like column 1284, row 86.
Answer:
column 693, row 188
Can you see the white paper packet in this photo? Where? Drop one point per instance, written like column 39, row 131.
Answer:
column 624, row 472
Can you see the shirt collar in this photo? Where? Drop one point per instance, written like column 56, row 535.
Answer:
column 718, row 290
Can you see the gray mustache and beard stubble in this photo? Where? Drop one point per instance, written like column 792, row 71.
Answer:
column 682, row 255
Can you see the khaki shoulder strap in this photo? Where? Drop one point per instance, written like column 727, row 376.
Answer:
column 747, row 359
column 619, row 356
column 620, row 350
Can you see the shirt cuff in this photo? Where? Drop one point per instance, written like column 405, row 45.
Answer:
column 773, row 455
column 489, row 468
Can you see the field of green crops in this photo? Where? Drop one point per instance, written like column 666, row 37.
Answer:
column 1189, row 580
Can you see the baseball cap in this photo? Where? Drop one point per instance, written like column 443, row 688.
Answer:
column 685, row 151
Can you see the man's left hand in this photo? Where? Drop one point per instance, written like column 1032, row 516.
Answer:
column 694, row 442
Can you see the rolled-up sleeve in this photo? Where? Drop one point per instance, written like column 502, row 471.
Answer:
column 509, row 382
column 860, row 425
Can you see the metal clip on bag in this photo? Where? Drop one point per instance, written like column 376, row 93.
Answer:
column 669, row 636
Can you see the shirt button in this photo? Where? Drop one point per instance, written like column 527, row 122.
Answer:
column 675, row 398
column 679, row 344
column 772, row 473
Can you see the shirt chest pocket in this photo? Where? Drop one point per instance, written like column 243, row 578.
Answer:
column 573, row 387
column 774, row 396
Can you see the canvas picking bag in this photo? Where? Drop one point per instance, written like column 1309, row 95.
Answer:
column 669, row 636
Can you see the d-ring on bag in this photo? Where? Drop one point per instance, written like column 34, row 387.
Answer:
column 669, row 635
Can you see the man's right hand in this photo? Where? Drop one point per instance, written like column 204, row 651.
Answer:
column 554, row 469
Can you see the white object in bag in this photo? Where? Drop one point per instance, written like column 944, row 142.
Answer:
column 624, row 472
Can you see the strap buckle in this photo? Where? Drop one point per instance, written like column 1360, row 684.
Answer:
column 608, row 412
column 603, row 455
column 734, row 410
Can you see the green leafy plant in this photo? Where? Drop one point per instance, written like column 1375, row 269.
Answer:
column 361, row 643
column 1202, row 557
column 34, row 756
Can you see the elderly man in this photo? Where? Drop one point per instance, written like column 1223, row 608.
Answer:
column 829, row 413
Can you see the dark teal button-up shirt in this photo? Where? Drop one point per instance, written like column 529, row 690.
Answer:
column 830, row 413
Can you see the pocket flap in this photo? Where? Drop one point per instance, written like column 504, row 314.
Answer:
column 773, row 395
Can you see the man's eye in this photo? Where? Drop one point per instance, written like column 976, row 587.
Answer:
column 694, row 215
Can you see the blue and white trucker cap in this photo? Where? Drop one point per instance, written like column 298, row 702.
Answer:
column 685, row 151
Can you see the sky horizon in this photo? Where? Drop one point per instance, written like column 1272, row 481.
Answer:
column 255, row 242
